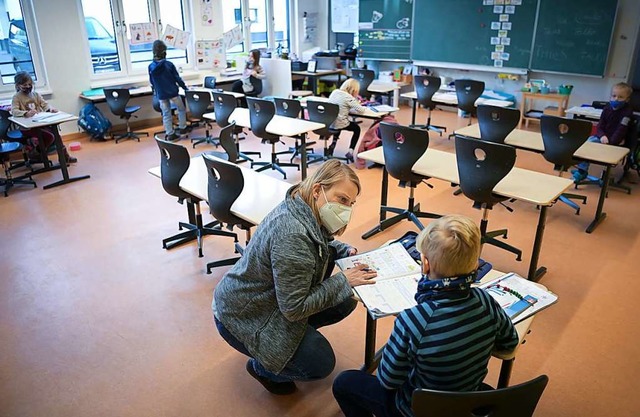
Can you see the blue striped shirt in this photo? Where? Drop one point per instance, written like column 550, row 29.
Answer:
column 444, row 344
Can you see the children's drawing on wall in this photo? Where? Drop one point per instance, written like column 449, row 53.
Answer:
column 310, row 25
column 210, row 54
column 142, row 32
column 376, row 17
column 175, row 37
column 206, row 13
column 403, row 23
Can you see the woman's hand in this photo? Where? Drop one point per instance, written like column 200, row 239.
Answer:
column 360, row 275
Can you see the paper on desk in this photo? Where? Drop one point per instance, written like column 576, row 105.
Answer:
column 385, row 108
column 396, row 282
column 49, row 117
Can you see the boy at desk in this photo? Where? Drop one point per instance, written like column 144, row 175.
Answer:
column 27, row 103
column 444, row 342
column 613, row 124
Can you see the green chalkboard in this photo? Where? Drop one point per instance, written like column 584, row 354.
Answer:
column 574, row 36
column 385, row 29
column 466, row 32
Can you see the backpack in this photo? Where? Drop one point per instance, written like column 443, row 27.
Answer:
column 92, row 121
column 371, row 139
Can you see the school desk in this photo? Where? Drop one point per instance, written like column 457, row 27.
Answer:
column 281, row 126
column 371, row 112
column 589, row 113
column 372, row 358
column 597, row 153
column 449, row 98
column 521, row 184
column 260, row 195
column 314, row 76
column 51, row 123
column 390, row 89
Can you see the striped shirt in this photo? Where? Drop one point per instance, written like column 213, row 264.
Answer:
column 346, row 102
column 444, row 344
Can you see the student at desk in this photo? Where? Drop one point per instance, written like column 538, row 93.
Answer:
column 252, row 77
column 444, row 342
column 27, row 103
column 270, row 304
column 346, row 97
column 613, row 124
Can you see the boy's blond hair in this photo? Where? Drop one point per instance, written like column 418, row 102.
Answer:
column 351, row 86
column 451, row 244
column 624, row 86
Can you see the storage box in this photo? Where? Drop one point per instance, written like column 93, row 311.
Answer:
column 299, row 66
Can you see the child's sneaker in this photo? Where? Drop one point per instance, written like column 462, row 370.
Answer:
column 349, row 157
column 172, row 137
column 579, row 175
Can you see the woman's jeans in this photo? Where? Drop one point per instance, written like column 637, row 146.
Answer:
column 167, row 119
column 314, row 359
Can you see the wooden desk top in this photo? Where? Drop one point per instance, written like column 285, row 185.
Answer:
column 260, row 195
column 521, row 184
column 549, row 96
column 598, row 153
column 378, row 86
column 55, row 119
column 450, row 98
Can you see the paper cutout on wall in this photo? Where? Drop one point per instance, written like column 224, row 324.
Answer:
column 206, row 13
column 142, row 33
column 232, row 37
column 176, row 37
column 210, row 54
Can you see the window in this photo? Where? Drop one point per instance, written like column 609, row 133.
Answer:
column 269, row 20
column 17, row 35
column 109, row 36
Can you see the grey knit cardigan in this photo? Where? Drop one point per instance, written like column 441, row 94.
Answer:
column 264, row 300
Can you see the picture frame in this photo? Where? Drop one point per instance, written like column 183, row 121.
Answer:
column 311, row 66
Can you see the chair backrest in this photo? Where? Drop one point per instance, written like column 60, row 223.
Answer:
column 257, row 87
column 365, row 78
column 209, row 82
column 497, row 122
column 5, row 124
column 481, row 166
column 468, row 91
column 260, row 114
column 562, row 138
column 515, row 401
column 223, row 105
column 425, row 87
column 288, row 107
column 225, row 184
column 402, row 147
column 174, row 163
column 117, row 99
column 322, row 112
column 228, row 144
column 198, row 103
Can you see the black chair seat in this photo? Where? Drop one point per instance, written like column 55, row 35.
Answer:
column 132, row 109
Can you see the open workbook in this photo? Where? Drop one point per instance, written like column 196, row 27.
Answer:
column 397, row 283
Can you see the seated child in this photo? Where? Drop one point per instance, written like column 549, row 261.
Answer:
column 613, row 124
column 252, row 71
column 347, row 99
column 26, row 103
column 444, row 342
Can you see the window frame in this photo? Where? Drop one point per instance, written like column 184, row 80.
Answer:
column 35, row 48
column 121, row 28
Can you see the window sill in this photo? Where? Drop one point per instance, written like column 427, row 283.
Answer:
column 190, row 74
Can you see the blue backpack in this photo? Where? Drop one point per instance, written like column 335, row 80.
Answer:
column 92, row 121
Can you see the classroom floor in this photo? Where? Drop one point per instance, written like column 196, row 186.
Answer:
column 96, row 319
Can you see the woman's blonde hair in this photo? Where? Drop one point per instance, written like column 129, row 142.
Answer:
column 351, row 86
column 329, row 174
column 451, row 244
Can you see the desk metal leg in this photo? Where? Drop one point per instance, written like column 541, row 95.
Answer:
column 603, row 194
column 63, row 161
column 505, row 373
column 303, row 155
column 414, row 106
column 383, row 202
column 369, row 345
column 536, row 273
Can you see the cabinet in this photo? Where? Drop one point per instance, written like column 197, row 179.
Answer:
column 561, row 100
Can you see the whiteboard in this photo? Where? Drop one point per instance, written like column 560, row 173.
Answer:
column 344, row 16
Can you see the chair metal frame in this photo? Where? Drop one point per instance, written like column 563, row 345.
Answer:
column 117, row 100
column 425, row 87
column 223, row 105
column 325, row 113
column 199, row 103
column 292, row 108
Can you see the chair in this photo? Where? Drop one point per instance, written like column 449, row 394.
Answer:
column 325, row 113
column 515, row 401
column 209, row 82
column 497, row 122
column 562, row 138
column 481, row 166
column 467, row 92
column 291, row 108
column 174, row 163
column 225, row 184
column 198, row 103
column 14, row 135
column 425, row 87
column 117, row 99
column 223, row 105
column 6, row 149
column 402, row 147
column 260, row 114
column 230, row 153
column 365, row 78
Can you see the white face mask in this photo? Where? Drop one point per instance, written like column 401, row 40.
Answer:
column 334, row 216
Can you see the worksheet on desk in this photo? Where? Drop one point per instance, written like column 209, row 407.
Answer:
column 49, row 116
